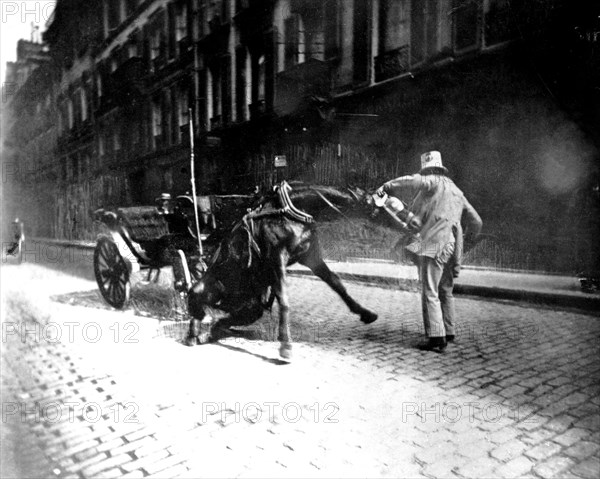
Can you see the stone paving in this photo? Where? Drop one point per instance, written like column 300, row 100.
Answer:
column 516, row 396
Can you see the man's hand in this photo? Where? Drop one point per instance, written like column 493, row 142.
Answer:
column 380, row 197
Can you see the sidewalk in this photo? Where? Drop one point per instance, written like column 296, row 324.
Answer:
column 538, row 288
column 550, row 289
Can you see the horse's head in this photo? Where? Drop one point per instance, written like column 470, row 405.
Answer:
column 361, row 202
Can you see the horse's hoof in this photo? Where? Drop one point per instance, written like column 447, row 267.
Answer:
column 191, row 341
column 204, row 338
column 368, row 317
column 285, row 350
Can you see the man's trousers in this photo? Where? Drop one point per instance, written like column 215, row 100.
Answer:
column 437, row 284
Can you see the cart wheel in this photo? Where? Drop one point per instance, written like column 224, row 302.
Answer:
column 112, row 273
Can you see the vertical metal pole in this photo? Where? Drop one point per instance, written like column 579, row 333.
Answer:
column 193, row 179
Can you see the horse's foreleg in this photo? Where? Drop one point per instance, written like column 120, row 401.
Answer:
column 281, row 292
column 322, row 271
column 200, row 322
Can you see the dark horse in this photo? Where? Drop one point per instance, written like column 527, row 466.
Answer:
column 248, row 270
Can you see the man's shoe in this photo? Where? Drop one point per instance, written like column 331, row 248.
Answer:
column 436, row 344
column 450, row 338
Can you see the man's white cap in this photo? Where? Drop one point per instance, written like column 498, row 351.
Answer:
column 432, row 159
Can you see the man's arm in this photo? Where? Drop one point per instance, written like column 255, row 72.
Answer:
column 473, row 225
column 405, row 187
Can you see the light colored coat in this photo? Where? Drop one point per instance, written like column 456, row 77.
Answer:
column 441, row 206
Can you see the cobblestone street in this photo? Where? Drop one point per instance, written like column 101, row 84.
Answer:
column 88, row 392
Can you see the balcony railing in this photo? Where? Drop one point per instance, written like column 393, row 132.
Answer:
column 392, row 63
column 184, row 134
column 216, row 122
column 257, row 109
column 130, row 75
column 184, row 45
column 158, row 62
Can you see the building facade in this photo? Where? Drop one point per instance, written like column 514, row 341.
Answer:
column 345, row 90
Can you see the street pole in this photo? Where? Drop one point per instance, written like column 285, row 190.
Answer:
column 193, row 179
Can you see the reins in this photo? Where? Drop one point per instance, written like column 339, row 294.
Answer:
column 329, row 203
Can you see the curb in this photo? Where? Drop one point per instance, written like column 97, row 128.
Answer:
column 66, row 243
column 591, row 303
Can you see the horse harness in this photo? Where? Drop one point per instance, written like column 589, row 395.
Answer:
column 287, row 210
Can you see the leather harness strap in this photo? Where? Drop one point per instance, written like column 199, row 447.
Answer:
column 288, row 207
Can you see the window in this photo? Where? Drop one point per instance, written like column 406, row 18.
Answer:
column 156, row 121
column 168, row 113
column 183, row 106
column 214, row 91
column 393, row 24
column 225, row 88
column 135, row 133
column 114, row 13
column 361, row 41
column 292, row 40
column 131, row 5
column 77, row 106
column 499, row 26
column 332, row 29
column 132, row 49
column 181, row 21
column 466, row 24
column 261, row 78
column 99, row 85
column 84, row 105
column 101, row 149
column 242, row 83
column 393, row 55
column 424, row 30
column 116, row 140
column 71, row 119
column 122, row 10
column 217, row 8
column 155, row 38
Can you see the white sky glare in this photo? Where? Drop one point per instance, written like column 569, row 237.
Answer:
column 16, row 18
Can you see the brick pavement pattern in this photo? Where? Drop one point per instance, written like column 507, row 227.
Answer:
column 516, row 396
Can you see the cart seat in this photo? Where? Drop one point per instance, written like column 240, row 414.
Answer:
column 143, row 223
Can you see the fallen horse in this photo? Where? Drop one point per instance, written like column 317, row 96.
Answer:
column 248, row 270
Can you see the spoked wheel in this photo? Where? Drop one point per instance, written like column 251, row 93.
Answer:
column 112, row 273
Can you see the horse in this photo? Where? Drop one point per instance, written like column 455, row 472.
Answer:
column 248, row 270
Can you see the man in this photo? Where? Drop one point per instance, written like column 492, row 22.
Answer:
column 18, row 237
column 440, row 205
column 164, row 203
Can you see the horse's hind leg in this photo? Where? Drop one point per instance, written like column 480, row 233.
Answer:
column 318, row 266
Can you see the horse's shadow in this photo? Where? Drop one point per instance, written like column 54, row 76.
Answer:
column 275, row 361
column 247, row 334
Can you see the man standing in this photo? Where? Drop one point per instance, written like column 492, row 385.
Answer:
column 440, row 205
